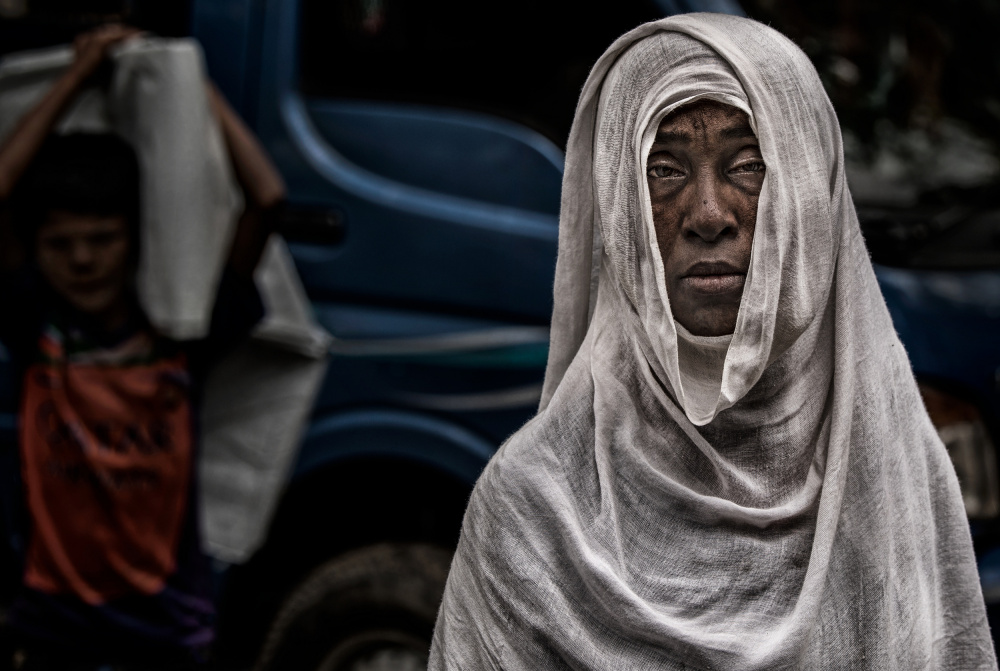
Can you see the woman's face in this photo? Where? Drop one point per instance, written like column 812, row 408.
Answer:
column 705, row 174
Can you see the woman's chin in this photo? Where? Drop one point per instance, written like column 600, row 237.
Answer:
column 709, row 323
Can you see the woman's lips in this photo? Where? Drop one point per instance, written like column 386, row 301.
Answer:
column 714, row 277
column 715, row 284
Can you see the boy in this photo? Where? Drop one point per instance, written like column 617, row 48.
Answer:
column 112, row 568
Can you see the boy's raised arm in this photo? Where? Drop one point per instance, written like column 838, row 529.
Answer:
column 263, row 188
column 23, row 143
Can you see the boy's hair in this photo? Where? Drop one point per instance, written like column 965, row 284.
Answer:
column 83, row 173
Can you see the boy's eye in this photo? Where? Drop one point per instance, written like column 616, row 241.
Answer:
column 56, row 244
column 102, row 239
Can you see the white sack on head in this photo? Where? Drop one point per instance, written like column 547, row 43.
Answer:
column 802, row 512
column 254, row 408
column 157, row 101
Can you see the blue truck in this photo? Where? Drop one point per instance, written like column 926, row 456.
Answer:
column 421, row 145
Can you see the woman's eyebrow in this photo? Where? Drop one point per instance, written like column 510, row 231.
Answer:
column 671, row 136
column 741, row 132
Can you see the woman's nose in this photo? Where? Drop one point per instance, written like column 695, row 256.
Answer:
column 709, row 218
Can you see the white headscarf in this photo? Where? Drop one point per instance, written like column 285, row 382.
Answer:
column 779, row 500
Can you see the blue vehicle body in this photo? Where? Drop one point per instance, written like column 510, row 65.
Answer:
column 428, row 250
column 426, row 239
column 949, row 322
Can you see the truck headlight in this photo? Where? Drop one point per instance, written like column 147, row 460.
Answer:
column 963, row 432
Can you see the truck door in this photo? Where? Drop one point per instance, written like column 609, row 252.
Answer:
column 421, row 140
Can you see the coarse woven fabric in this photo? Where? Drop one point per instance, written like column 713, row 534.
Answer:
column 792, row 508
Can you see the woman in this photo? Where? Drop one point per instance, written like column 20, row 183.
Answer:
column 732, row 467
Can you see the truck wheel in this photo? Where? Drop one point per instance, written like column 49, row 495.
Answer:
column 371, row 609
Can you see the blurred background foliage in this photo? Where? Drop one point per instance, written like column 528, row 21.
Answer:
column 916, row 84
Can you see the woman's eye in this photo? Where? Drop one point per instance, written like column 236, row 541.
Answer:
column 753, row 166
column 662, row 171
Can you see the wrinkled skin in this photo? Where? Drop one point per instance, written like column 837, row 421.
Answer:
column 705, row 173
column 86, row 260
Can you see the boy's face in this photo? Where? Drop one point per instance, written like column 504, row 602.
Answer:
column 85, row 259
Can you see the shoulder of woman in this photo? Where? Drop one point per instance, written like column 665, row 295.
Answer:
column 532, row 472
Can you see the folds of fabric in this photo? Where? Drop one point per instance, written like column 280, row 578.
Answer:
column 787, row 507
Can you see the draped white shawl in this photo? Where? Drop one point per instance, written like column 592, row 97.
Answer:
column 792, row 508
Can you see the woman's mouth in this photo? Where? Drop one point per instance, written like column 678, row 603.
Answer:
column 715, row 284
column 714, row 277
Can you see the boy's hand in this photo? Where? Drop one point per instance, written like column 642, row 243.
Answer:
column 92, row 46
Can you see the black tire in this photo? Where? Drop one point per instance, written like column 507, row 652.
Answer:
column 368, row 609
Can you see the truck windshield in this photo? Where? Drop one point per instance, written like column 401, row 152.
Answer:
column 522, row 59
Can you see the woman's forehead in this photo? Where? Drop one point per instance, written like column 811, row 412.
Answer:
column 704, row 115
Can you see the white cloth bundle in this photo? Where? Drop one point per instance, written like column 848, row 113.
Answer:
column 792, row 508
column 256, row 402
